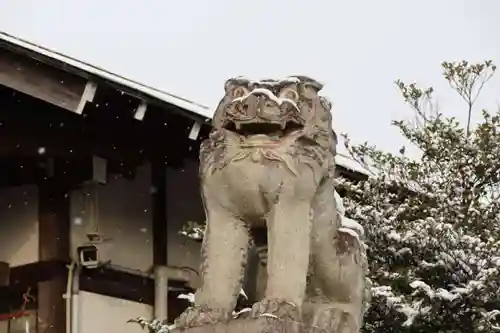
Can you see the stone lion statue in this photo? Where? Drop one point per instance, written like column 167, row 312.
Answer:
column 269, row 162
column 350, row 258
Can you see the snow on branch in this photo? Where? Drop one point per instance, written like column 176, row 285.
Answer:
column 432, row 222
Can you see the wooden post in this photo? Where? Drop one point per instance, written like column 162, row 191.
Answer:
column 159, row 215
column 4, row 274
column 54, row 245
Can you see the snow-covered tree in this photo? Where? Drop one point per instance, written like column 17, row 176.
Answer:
column 433, row 224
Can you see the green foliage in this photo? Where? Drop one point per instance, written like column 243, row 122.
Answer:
column 433, row 223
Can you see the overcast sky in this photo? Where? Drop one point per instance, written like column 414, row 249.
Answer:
column 357, row 48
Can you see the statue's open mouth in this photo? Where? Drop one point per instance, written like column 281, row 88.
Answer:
column 266, row 128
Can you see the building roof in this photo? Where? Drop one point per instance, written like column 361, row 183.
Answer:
column 85, row 69
column 166, row 97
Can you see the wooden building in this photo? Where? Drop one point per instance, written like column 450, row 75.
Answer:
column 98, row 169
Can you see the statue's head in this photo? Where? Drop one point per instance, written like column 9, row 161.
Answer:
column 271, row 106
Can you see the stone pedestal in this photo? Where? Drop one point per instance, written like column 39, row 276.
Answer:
column 259, row 325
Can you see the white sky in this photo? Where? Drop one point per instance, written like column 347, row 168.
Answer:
column 357, row 48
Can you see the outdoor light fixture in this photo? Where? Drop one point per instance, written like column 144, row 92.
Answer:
column 88, row 256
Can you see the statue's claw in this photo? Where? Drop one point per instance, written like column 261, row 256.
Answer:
column 334, row 320
column 200, row 315
column 276, row 308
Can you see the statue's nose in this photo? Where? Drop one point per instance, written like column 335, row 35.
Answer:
column 251, row 102
column 259, row 104
column 266, row 107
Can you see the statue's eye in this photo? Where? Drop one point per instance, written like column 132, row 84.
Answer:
column 239, row 92
column 290, row 94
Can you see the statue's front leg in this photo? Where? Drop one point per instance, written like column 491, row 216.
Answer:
column 288, row 258
column 224, row 252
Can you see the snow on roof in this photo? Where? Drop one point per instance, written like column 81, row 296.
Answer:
column 104, row 74
column 349, row 163
column 199, row 109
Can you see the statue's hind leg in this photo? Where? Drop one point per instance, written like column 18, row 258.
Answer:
column 337, row 279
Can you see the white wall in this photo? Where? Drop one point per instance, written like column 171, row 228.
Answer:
column 25, row 324
column 108, row 314
column 19, row 225
column 124, row 216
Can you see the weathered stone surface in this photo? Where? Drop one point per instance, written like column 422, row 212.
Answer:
column 269, row 162
column 259, row 325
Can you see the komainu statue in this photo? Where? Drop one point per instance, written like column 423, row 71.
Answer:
column 269, row 162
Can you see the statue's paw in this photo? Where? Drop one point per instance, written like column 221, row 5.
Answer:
column 276, row 308
column 200, row 316
column 335, row 320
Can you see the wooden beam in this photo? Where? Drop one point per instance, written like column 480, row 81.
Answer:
column 24, row 276
column 17, row 171
column 159, row 209
column 87, row 96
column 4, row 274
column 140, row 112
column 195, row 131
column 54, row 244
column 131, row 287
column 41, row 81
column 159, row 216
column 29, row 142
column 104, row 281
